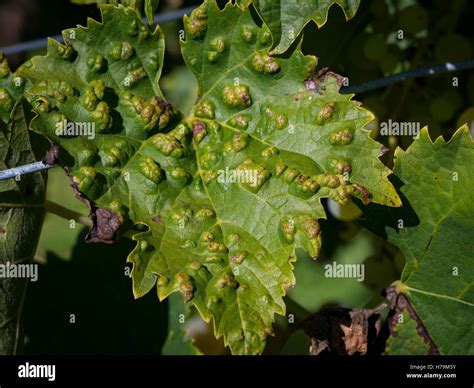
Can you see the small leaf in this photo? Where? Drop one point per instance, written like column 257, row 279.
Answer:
column 150, row 8
column 286, row 19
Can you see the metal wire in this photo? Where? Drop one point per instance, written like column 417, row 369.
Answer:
column 415, row 73
column 23, row 170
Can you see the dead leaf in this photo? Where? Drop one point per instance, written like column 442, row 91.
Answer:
column 344, row 331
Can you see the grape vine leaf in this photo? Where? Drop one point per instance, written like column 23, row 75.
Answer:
column 21, row 216
column 433, row 229
column 286, row 19
column 226, row 195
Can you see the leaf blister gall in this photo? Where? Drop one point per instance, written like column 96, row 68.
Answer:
column 150, row 169
column 237, row 96
column 264, row 63
column 196, row 24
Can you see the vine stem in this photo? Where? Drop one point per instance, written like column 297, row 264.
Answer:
column 68, row 214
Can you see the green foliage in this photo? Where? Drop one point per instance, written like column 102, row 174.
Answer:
column 254, row 119
column 386, row 38
column 286, row 19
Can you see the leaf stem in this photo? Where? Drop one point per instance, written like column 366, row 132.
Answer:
column 68, row 214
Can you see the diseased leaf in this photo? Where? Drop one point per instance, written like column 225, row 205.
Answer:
column 434, row 230
column 408, row 336
column 406, row 340
column 224, row 197
column 287, row 18
column 344, row 331
column 21, row 216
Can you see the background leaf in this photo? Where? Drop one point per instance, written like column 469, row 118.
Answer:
column 433, row 230
column 21, row 216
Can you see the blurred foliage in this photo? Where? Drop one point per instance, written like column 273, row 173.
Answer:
column 390, row 36
column 180, row 87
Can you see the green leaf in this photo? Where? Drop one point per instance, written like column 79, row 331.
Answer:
column 434, row 230
column 225, row 197
column 286, row 19
column 21, row 216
